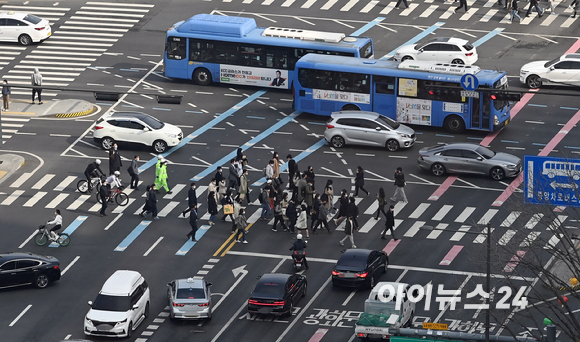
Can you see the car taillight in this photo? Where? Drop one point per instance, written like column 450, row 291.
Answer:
column 177, row 304
column 252, row 301
column 40, row 28
column 329, row 126
column 56, row 267
column 335, row 273
column 99, row 127
column 278, row 303
column 204, row 304
column 422, row 156
column 469, row 54
column 362, row 275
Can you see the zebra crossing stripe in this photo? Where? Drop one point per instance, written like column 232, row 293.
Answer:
column 514, row 261
column 442, row 212
column 460, row 234
column 391, row 246
column 414, row 229
column 549, row 20
column 307, row 4
column 328, row 5
column 369, row 6
column 23, row 178
column 119, row 209
column 56, row 201
column 12, row 197
column 428, row 11
column 507, row 236
column 483, row 236
column 167, row 209
column 451, row 255
column 390, row 6
column 527, row 242
column 465, row 214
column 408, row 11
column 469, row 14
column 42, row 182
column 32, row 201
column 77, row 203
column 66, row 182
column 368, row 225
column 486, row 218
column 436, row 232
column 534, row 221
column 419, row 210
column 175, row 190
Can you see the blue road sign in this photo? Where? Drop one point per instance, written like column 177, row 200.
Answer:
column 553, row 181
column 469, row 82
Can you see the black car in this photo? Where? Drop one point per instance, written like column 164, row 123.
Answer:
column 359, row 268
column 276, row 294
column 18, row 269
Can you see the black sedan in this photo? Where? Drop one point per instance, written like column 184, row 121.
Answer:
column 359, row 268
column 18, row 269
column 276, row 294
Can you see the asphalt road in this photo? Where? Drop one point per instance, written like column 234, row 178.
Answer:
column 58, row 150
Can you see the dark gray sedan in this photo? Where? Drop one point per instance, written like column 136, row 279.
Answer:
column 468, row 158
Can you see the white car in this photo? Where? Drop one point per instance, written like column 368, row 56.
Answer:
column 23, row 28
column 121, row 305
column 445, row 50
column 138, row 128
column 564, row 70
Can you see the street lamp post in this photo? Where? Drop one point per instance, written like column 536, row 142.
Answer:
column 488, row 273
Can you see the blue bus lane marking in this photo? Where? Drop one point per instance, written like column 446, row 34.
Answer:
column 71, row 228
column 189, row 244
column 367, row 26
column 416, row 38
column 298, row 158
column 205, row 127
column 132, row 236
column 488, row 36
column 249, row 144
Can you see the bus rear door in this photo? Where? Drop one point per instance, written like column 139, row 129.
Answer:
column 384, row 99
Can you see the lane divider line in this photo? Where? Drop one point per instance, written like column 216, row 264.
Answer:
column 132, row 236
column 368, row 26
column 415, row 39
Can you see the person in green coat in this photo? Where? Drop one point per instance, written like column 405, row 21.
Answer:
column 161, row 180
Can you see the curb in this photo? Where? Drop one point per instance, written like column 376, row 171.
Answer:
column 7, row 169
column 561, row 288
column 77, row 114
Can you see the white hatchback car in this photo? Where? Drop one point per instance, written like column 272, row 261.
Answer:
column 564, row 70
column 445, row 50
column 138, row 128
column 23, row 28
column 121, row 305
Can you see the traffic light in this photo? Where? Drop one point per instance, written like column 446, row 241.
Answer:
column 506, row 96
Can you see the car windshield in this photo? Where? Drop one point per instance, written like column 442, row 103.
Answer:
column 32, row 19
column 269, row 289
column 152, row 122
column 388, row 122
column 358, row 261
column 190, row 294
column 380, row 308
column 549, row 63
column 468, row 47
column 485, row 152
column 112, row 303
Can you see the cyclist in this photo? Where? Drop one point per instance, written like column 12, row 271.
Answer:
column 114, row 181
column 93, row 170
column 57, row 222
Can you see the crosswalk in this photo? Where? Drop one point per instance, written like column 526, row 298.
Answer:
column 74, row 45
column 10, row 126
column 479, row 10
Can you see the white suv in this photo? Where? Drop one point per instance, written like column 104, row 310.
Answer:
column 121, row 305
column 23, row 28
column 564, row 70
column 135, row 127
column 444, row 50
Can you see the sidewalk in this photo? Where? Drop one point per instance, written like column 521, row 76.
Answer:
column 67, row 108
column 9, row 163
column 563, row 272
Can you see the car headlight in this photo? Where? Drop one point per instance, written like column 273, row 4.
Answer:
column 509, row 166
column 121, row 323
column 495, row 120
column 403, row 135
column 88, row 321
column 171, row 135
column 523, row 71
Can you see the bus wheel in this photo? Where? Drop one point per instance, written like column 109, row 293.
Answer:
column 454, row 124
column 457, row 61
column 406, row 58
column 533, row 81
column 350, row 107
column 202, row 76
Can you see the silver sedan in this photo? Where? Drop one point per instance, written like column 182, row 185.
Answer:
column 189, row 298
column 468, row 158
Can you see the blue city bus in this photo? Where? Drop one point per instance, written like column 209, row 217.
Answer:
column 412, row 92
column 213, row 48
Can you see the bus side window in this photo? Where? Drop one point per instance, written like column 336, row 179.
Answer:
column 176, row 48
column 277, row 58
column 227, row 53
column 384, row 85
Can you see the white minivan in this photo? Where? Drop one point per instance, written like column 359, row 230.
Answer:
column 121, row 305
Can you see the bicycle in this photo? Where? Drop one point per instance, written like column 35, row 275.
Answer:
column 120, row 197
column 83, row 185
column 44, row 236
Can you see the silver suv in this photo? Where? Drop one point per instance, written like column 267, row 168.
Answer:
column 367, row 128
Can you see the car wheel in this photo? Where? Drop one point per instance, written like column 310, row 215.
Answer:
column 337, row 141
column 406, row 58
column 24, row 39
column 457, row 61
column 350, row 107
column 386, row 266
column 209, row 316
column 372, row 282
column 107, row 143
column 202, row 77
column 438, row 169
column 159, row 146
column 454, row 124
column 146, row 313
column 41, row 281
column 130, row 329
column 392, row 145
column 497, row 173
column 305, row 290
column 533, row 81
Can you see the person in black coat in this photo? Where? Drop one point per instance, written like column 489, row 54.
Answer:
column 212, row 208
column 390, row 223
column 292, row 168
column 104, row 193
column 343, row 205
column 218, row 175
column 292, row 215
column 191, row 199
column 193, row 223
column 352, row 212
column 152, row 202
column 359, row 181
column 114, row 160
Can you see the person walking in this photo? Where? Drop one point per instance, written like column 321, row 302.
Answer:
column 134, row 172
column 534, row 3
column 212, row 208
column 400, row 183
column 552, row 6
column 310, row 175
column 237, row 207
column 575, row 8
column 343, row 206
column 462, row 3
column 6, row 91
column 191, row 199
column 158, row 166
column 232, row 175
column 349, row 231
column 329, row 194
column 292, row 214
column 292, row 168
column 301, row 188
column 161, row 180
column 104, row 193
column 152, row 199
column 302, row 221
column 219, row 175
column 269, row 170
column 241, row 224
column 390, row 223
column 316, row 203
column 193, row 223
column 222, row 189
column 322, row 219
column 244, row 190
column 514, row 11
column 146, row 206
column 359, row 181
column 399, row 2
column 265, row 199
column 279, row 217
column 294, row 184
column 309, row 195
column 36, row 82
column 382, row 202
column 241, row 158
column 352, row 211
column 276, row 159
column 114, row 160
column 228, row 200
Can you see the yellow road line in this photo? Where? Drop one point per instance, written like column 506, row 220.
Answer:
column 18, row 113
column 232, row 243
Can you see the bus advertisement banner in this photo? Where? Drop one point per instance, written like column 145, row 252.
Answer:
column 332, row 95
column 414, row 111
column 254, row 76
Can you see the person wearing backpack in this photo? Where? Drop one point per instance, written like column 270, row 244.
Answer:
column 265, row 200
column 323, row 213
column 316, row 203
column 278, row 216
column 301, row 189
column 349, row 229
column 291, row 213
column 343, row 205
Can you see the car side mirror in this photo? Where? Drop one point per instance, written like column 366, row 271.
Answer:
column 168, row 284
column 420, row 50
column 135, row 307
column 378, row 129
column 480, row 158
column 209, row 284
column 90, row 303
column 551, row 68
